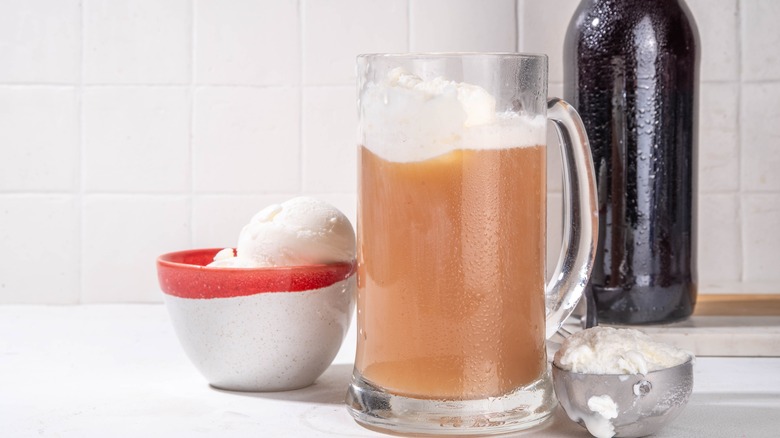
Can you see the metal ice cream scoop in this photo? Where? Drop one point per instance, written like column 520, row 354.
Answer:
column 624, row 405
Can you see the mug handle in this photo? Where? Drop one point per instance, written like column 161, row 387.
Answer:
column 580, row 216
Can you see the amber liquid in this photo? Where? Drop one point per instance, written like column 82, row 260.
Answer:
column 451, row 273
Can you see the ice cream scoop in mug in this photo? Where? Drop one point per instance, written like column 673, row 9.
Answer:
column 248, row 326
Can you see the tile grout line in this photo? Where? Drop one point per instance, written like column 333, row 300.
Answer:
column 740, row 188
column 301, row 72
column 519, row 8
column 255, row 192
column 408, row 25
column 82, row 153
column 272, row 86
column 183, row 193
column 191, row 122
column 171, row 85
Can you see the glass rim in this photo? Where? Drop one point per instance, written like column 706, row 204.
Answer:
column 445, row 55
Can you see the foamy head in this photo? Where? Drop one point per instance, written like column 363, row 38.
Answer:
column 405, row 118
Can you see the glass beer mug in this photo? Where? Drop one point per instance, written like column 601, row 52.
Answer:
column 453, row 310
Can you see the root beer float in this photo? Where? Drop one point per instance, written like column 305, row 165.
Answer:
column 451, row 227
column 453, row 310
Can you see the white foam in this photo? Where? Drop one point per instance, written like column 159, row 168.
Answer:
column 407, row 119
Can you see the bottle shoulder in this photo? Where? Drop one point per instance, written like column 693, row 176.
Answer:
column 613, row 26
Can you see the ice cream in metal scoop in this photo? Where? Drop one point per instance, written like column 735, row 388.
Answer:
column 619, row 382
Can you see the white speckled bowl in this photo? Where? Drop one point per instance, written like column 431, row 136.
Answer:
column 257, row 329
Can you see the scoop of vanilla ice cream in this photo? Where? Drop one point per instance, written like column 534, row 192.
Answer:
column 606, row 350
column 474, row 103
column 227, row 259
column 300, row 231
column 431, row 117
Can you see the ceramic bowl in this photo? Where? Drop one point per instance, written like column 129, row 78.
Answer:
column 257, row 329
column 641, row 404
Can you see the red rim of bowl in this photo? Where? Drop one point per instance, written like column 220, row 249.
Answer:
column 184, row 274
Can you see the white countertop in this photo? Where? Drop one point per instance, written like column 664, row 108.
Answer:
column 118, row 371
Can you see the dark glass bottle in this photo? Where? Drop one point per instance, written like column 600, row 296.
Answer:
column 631, row 71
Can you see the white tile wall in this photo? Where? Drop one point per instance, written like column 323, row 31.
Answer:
column 717, row 21
column 719, row 245
column 335, row 31
column 329, row 133
column 40, row 41
column 760, row 142
column 467, row 26
column 554, row 230
column 543, row 27
column 247, row 42
column 136, row 139
column 719, row 137
column 761, row 213
column 39, row 238
column 122, row 237
column 128, row 129
column 760, row 40
column 137, row 42
column 39, row 138
column 246, row 140
column 554, row 163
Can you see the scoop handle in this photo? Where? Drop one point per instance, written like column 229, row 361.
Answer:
column 580, row 216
